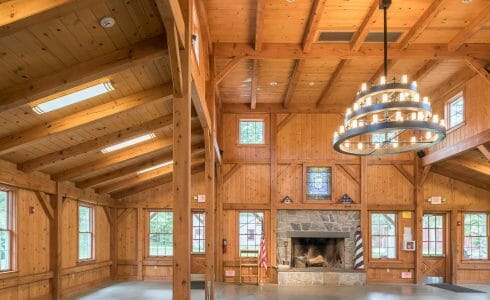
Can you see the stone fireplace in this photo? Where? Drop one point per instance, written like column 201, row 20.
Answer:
column 318, row 247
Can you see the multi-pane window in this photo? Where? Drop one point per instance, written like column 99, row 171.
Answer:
column 383, row 235
column 384, row 138
column 475, row 236
column 6, row 234
column 318, row 183
column 85, row 232
column 198, row 232
column 455, row 111
column 252, row 132
column 250, row 231
column 161, row 233
column 432, row 235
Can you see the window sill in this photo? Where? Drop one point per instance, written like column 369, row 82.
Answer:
column 8, row 274
column 85, row 262
column 455, row 127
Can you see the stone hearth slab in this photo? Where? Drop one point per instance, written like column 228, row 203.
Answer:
column 325, row 278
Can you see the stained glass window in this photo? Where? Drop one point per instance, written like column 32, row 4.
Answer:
column 475, row 236
column 318, row 183
column 250, row 231
column 383, row 235
column 252, row 132
column 432, row 235
column 456, row 111
column 161, row 233
column 5, row 232
column 85, row 232
column 198, row 233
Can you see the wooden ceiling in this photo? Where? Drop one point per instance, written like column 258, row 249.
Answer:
column 58, row 49
column 283, row 35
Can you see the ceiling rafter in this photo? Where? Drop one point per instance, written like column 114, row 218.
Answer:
column 312, row 26
column 110, row 109
column 228, row 69
column 474, row 26
column 429, row 14
column 425, row 70
column 133, row 168
column 330, row 85
column 259, row 25
column 293, row 81
column 360, row 35
column 452, row 84
column 95, row 144
column 82, row 73
column 380, row 71
column 483, row 149
column 254, row 84
column 448, row 172
column 479, row 67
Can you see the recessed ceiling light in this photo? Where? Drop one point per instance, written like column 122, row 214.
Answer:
column 274, row 83
column 128, row 143
column 290, row 1
column 74, row 97
column 107, row 22
column 311, row 83
column 155, row 167
column 249, row 79
column 466, row 1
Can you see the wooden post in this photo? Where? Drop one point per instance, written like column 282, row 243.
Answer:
column 455, row 245
column 419, row 211
column 55, row 242
column 364, row 210
column 273, row 193
column 210, row 211
column 182, row 169
column 219, row 223
column 139, row 243
column 114, row 243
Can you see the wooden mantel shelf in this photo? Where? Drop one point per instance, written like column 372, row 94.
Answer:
column 320, row 206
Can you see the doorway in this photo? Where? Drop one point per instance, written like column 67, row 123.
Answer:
column 436, row 249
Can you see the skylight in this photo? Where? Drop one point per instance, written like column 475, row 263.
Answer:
column 128, row 143
column 155, row 167
column 73, row 98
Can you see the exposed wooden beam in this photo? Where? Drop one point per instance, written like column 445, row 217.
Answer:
column 285, row 121
column 351, row 173
column 111, row 159
column 21, row 139
column 254, row 84
column 293, row 81
column 424, row 174
column 45, row 204
column 107, row 211
column 452, row 85
column 425, row 70
column 210, row 210
column 259, row 25
column 441, row 170
column 483, row 149
column 458, row 148
column 278, row 108
column 429, row 14
column 380, row 71
column 95, row 144
column 483, row 169
column 405, row 173
column 473, row 27
column 312, row 26
column 343, row 51
column 132, row 169
column 171, row 13
column 151, row 184
column 82, row 73
column 228, row 69
column 328, row 89
column 123, row 215
column 55, row 242
column 203, row 22
column 479, row 67
column 360, row 35
column 230, row 172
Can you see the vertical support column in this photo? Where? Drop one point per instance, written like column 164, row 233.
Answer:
column 55, row 242
column 139, row 243
column 210, row 212
column 273, row 193
column 455, row 241
column 219, row 223
column 419, row 211
column 114, row 243
column 364, row 210
column 182, row 169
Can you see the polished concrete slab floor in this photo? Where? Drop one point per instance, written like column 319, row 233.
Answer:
column 142, row 290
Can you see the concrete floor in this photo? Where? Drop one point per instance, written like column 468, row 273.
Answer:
column 141, row 290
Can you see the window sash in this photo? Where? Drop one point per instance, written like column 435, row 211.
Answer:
column 250, row 231
column 475, row 236
column 433, row 235
column 251, row 132
column 324, row 191
column 160, row 233
column 383, row 236
column 455, row 111
column 86, row 241
column 5, row 250
column 198, row 240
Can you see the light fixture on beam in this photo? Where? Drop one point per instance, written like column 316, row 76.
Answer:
column 129, row 143
column 73, row 98
column 168, row 163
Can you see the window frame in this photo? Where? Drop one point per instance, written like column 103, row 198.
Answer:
column 252, row 118
column 444, row 228
column 305, row 183
column 148, row 233
column 12, row 226
column 204, row 231
column 447, row 113
column 238, row 230
column 92, row 232
column 397, row 237
column 474, row 260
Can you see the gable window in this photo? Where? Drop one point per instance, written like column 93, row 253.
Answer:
column 85, row 232
column 198, row 232
column 250, row 231
column 475, row 236
column 318, row 183
column 383, row 235
column 455, row 111
column 251, row 132
column 432, row 235
column 6, row 231
column 161, row 233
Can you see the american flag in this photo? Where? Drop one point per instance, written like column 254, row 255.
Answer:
column 263, row 250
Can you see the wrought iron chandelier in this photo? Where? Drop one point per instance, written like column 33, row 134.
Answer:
column 388, row 117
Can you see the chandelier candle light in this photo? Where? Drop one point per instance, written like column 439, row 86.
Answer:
column 388, row 117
